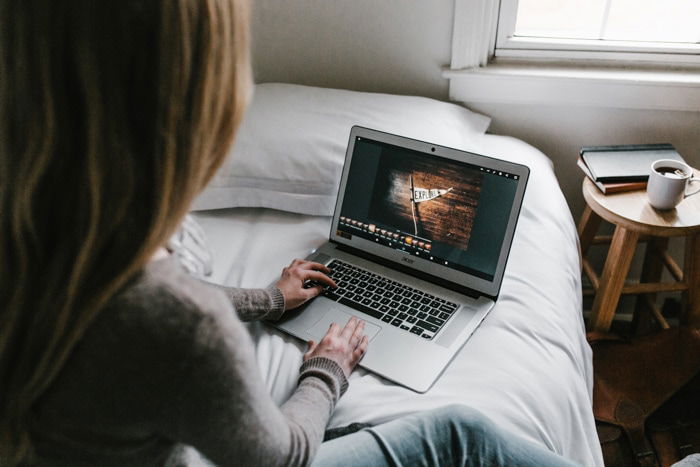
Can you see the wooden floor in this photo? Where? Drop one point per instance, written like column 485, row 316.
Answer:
column 616, row 452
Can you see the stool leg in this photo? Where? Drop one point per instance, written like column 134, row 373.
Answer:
column 587, row 228
column 691, row 276
column 651, row 272
column 617, row 265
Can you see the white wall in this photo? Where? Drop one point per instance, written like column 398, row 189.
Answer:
column 394, row 46
column 400, row 46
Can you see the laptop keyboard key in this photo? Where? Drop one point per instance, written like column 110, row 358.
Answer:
column 427, row 326
column 331, row 295
column 361, row 308
column 434, row 320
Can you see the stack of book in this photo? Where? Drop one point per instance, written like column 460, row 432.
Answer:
column 614, row 169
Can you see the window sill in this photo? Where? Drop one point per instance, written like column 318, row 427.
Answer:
column 577, row 86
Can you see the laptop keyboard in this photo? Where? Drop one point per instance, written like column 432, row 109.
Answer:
column 404, row 307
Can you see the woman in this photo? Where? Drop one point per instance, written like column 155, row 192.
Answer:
column 113, row 116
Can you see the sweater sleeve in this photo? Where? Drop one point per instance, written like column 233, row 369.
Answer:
column 254, row 304
column 225, row 411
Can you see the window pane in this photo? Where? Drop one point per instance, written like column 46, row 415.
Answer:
column 631, row 20
column 574, row 19
column 654, row 20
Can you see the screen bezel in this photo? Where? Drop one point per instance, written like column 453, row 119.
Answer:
column 422, row 266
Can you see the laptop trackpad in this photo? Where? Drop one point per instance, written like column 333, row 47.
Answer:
column 318, row 330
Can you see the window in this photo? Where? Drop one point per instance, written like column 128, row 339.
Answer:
column 635, row 54
column 643, row 31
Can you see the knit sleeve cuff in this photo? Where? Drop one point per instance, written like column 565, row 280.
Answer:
column 276, row 303
column 328, row 371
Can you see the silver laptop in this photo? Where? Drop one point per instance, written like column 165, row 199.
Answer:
column 418, row 245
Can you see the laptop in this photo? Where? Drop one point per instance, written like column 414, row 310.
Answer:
column 418, row 246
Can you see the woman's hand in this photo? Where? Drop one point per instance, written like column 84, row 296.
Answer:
column 345, row 347
column 291, row 283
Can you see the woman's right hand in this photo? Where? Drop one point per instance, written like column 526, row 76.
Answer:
column 345, row 347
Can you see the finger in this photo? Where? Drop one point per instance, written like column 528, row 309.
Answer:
column 312, row 292
column 320, row 277
column 317, row 266
column 310, row 350
column 361, row 348
column 312, row 345
column 334, row 329
column 357, row 334
column 349, row 328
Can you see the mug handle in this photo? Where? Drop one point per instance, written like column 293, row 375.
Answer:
column 691, row 180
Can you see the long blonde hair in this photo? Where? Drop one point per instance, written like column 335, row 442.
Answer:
column 113, row 116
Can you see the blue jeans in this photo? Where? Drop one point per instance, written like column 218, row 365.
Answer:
column 448, row 436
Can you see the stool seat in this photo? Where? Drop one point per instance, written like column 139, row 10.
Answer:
column 633, row 211
column 636, row 221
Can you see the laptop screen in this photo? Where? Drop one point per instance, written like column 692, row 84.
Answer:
column 448, row 208
column 448, row 212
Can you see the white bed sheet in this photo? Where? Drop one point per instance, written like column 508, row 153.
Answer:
column 528, row 366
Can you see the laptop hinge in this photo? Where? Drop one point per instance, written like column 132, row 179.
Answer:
column 411, row 272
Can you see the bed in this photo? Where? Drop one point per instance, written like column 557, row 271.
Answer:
column 528, row 366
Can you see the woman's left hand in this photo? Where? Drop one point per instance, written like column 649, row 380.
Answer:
column 291, row 283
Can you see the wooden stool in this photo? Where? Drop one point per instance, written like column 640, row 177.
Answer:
column 635, row 220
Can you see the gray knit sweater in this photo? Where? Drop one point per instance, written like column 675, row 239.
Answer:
column 169, row 364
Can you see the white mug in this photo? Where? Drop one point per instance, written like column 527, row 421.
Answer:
column 668, row 181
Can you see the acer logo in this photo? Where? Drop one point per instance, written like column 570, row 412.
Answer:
column 407, row 260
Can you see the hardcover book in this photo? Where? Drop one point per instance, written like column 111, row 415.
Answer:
column 609, row 188
column 625, row 163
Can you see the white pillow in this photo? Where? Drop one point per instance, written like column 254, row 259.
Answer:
column 290, row 148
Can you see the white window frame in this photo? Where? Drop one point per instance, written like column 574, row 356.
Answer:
column 660, row 53
column 489, row 65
